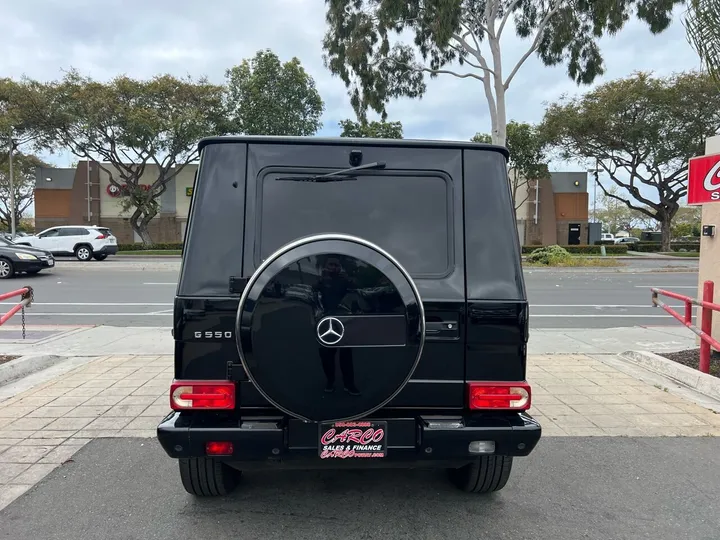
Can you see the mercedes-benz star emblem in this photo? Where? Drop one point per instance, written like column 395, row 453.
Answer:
column 330, row 331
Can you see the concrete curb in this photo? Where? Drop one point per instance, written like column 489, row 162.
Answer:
column 692, row 378
column 26, row 365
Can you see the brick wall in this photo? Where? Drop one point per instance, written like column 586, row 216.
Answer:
column 163, row 229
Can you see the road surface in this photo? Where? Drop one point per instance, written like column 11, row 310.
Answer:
column 595, row 488
column 140, row 293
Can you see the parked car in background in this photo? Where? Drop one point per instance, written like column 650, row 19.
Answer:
column 16, row 259
column 627, row 240
column 85, row 242
column 607, row 237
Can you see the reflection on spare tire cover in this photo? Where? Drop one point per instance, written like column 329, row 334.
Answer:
column 342, row 338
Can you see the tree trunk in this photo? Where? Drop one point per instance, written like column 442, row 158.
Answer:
column 665, row 228
column 500, row 135
column 139, row 222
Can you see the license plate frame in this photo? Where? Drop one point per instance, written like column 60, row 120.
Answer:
column 357, row 439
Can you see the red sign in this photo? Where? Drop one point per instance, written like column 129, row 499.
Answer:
column 704, row 179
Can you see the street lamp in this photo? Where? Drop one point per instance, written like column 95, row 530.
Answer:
column 596, row 173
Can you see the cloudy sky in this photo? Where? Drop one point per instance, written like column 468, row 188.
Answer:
column 104, row 38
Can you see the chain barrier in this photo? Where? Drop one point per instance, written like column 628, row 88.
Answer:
column 27, row 296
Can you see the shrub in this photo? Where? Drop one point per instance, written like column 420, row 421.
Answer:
column 550, row 256
column 654, row 247
column 585, row 250
column 143, row 247
column 604, row 242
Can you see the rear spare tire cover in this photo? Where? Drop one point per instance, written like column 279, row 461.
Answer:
column 330, row 327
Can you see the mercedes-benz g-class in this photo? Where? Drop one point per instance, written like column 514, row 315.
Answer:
column 349, row 303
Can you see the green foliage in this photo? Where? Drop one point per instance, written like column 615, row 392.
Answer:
column 642, row 130
column 372, row 130
column 549, row 256
column 15, row 122
column 267, row 97
column 23, row 185
column 362, row 47
column 153, row 247
column 130, row 125
column 584, row 250
column 528, row 157
column 656, row 247
column 687, row 222
column 702, row 23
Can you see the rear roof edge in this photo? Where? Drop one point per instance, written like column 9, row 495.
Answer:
column 350, row 141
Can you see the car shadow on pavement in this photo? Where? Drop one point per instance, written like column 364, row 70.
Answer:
column 570, row 488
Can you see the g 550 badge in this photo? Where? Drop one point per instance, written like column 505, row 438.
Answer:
column 210, row 334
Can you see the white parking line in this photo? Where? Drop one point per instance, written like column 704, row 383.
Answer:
column 615, row 315
column 670, row 287
column 109, row 304
column 613, row 306
column 98, row 314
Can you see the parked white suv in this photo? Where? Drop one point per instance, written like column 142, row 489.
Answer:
column 83, row 241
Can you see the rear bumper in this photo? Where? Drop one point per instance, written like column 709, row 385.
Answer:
column 107, row 250
column 31, row 266
column 281, row 442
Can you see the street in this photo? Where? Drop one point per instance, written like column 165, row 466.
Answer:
column 568, row 488
column 140, row 293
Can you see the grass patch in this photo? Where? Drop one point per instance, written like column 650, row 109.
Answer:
column 691, row 254
column 152, row 252
column 579, row 262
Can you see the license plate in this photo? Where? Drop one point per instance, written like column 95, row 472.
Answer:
column 363, row 439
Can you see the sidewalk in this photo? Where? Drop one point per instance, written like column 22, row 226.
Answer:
column 106, row 340
column 110, row 382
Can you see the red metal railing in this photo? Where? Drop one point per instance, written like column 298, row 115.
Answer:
column 707, row 307
column 26, row 297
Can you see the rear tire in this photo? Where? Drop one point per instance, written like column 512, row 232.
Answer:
column 485, row 475
column 207, row 477
column 83, row 253
column 100, row 257
column 7, row 270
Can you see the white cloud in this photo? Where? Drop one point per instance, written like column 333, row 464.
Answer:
column 41, row 38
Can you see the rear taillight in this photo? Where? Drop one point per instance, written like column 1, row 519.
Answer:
column 100, row 237
column 219, row 448
column 187, row 395
column 499, row 395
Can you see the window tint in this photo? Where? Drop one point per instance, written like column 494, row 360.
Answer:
column 407, row 215
column 73, row 231
column 50, row 234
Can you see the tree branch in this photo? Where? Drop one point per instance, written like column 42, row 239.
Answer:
column 535, row 44
column 508, row 11
column 436, row 71
column 476, row 52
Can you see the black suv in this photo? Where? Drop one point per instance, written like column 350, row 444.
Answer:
column 349, row 303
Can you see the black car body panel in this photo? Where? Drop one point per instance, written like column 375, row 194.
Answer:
column 448, row 196
column 12, row 252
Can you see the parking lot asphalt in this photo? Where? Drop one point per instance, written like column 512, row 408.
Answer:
column 140, row 293
column 567, row 489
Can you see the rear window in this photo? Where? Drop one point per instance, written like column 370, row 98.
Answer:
column 407, row 214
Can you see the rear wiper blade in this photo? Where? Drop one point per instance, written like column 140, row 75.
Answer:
column 335, row 176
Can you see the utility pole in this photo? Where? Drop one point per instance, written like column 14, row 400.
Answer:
column 596, row 176
column 12, row 189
